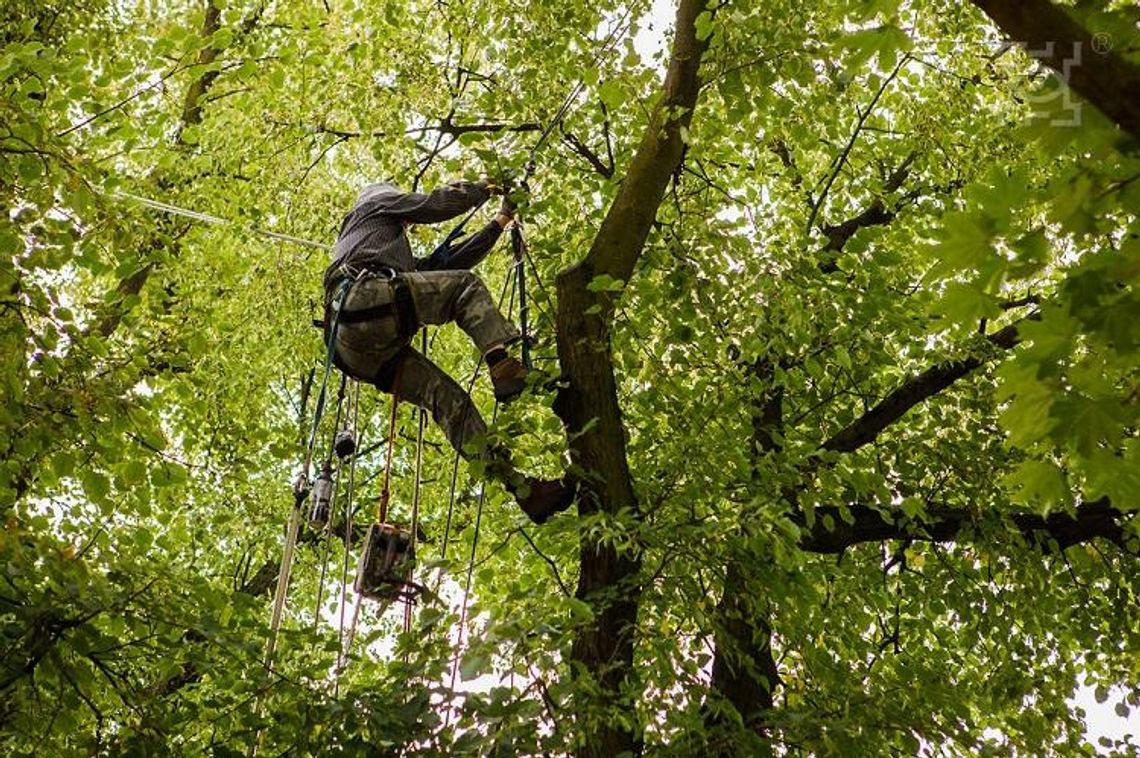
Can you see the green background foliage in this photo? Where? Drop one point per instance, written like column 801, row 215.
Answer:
column 868, row 190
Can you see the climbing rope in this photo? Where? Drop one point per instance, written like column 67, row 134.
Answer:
column 302, row 485
column 342, row 651
column 335, row 486
column 386, row 492
column 518, row 245
column 480, row 498
column 217, row 220
column 417, row 483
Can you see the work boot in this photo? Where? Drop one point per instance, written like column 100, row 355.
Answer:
column 509, row 378
column 546, row 497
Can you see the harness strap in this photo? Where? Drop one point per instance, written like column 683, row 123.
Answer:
column 403, row 307
column 368, row 314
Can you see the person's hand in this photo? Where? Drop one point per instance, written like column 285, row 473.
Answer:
column 511, row 200
column 501, row 183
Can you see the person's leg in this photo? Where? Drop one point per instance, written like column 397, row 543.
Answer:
column 460, row 296
column 413, row 377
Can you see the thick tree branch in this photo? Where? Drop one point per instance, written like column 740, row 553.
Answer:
column 929, row 383
column 1095, row 71
column 875, row 214
column 1093, row 520
column 621, row 238
column 192, row 105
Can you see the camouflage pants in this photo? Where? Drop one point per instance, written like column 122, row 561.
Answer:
column 375, row 351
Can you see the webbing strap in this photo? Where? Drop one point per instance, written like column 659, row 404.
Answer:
column 443, row 247
column 339, row 297
column 518, row 243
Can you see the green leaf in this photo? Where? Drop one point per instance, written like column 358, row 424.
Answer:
column 611, row 93
column 1115, row 475
column 473, row 664
column 1027, row 415
column 1087, row 422
column 1039, row 483
column 964, row 242
column 704, row 25
column 886, row 41
column 605, row 283
column 1034, row 252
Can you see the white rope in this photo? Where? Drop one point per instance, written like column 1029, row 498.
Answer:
column 283, row 581
column 208, row 219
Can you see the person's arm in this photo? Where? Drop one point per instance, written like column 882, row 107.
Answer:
column 440, row 204
column 469, row 251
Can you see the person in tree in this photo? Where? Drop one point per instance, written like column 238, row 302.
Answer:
column 387, row 294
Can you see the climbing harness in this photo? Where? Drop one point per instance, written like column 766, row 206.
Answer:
column 402, row 306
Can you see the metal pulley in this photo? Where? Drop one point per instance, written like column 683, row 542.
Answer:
column 385, row 571
column 321, row 506
column 345, row 443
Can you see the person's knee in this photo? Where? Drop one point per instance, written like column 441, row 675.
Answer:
column 470, row 283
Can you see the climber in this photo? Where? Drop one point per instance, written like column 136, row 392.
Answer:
column 390, row 294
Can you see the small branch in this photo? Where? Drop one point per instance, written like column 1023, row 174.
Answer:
column 591, row 157
column 446, row 126
column 125, row 101
column 784, row 153
column 320, row 157
column 549, row 562
column 929, row 383
column 1029, row 299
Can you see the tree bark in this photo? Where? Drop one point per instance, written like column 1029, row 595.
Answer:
column 744, row 671
column 1090, row 66
column 589, row 408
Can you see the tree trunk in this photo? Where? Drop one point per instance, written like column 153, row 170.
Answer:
column 744, row 671
column 588, row 407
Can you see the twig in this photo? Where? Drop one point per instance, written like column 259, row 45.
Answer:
column 842, row 160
